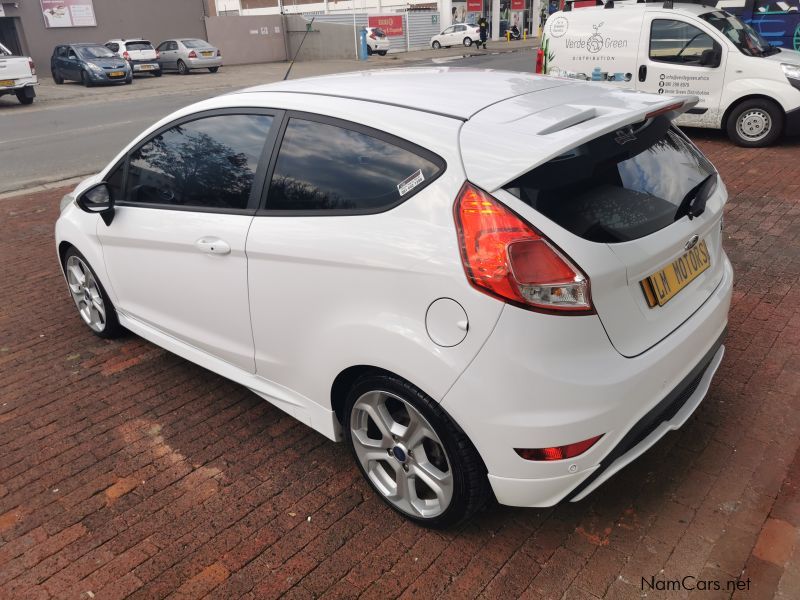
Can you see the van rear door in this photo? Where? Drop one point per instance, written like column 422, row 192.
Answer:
column 680, row 56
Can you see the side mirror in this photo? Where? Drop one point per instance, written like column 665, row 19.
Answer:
column 711, row 58
column 97, row 199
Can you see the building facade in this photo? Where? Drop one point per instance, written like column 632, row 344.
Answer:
column 33, row 27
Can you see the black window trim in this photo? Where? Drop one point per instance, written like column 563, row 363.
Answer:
column 424, row 153
column 717, row 45
column 258, row 177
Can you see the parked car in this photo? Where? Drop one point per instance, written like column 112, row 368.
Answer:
column 139, row 53
column 183, row 55
column 485, row 282
column 88, row 63
column 461, row 33
column 17, row 76
column 377, row 41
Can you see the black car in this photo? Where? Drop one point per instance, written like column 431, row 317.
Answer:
column 88, row 63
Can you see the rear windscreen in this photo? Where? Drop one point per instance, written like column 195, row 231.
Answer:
column 139, row 46
column 622, row 186
column 196, row 44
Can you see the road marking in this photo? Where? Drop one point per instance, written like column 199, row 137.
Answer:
column 62, row 132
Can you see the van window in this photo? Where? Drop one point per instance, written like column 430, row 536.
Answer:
column 677, row 42
column 622, row 186
column 744, row 37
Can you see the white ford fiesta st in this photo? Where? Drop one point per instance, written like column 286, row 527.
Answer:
column 486, row 283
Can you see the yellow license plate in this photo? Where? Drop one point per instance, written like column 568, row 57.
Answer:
column 146, row 67
column 117, row 73
column 6, row 82
column 662, row 286
column 206, row 53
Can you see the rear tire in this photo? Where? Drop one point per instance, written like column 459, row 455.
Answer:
column 412, row 454
column 436, row 45
column 94, row 306
column 182, row 68
column 467, row 42
column 213, row 69
column 755, row 123
column 23, row 97
column 382, row 52
column 369, row 50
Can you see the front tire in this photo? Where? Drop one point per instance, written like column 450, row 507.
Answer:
column 94, row 305
column 57, row 78
column 182, row 68
column 85, row 79
column 412, row 454
column 436, row 45
column 755, row 123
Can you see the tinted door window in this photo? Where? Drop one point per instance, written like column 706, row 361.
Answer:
column 326, row 167
column 208, row 163
column 678, row 42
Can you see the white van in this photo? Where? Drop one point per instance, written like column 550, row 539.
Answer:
column 745, row 85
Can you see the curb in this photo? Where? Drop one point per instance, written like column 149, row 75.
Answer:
column 44, row 187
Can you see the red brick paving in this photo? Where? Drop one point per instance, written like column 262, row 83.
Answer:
column 130, row 473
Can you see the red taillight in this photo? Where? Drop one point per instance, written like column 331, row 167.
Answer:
column 126, row 55
column 372, row 36
column 192, row 54
column 540, row 61
column 507, row 258
column 557, row 452
column 32, row 66
column 219, row 52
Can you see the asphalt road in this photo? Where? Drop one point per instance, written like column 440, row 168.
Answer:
column 50, row 142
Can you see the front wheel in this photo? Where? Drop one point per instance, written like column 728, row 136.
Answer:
column 411, row 453
column 94, row 305
column 85, row 79
column 436, row 45
column 467, row 42
column 56, row 77
column 755, row 123
column 182, row 68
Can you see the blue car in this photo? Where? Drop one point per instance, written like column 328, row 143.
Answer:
column 88, row 63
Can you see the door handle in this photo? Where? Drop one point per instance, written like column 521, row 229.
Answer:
column 213, row 245
column 642, row 72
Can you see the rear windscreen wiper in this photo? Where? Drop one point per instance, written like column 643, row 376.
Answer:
column 694, row 202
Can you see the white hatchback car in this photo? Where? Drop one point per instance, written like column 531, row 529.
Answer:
column 377, row 41
column 484, row 281
column 139, row 53
column 456, row 35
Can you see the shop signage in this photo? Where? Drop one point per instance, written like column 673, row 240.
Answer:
column 392, row 25
column 474, row 5
column 68, row 13
column 517, row 4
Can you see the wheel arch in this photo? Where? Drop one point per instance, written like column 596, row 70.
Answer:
column 344, row 381
column 732, row 106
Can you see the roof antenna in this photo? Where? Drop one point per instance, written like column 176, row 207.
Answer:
column 308, row 28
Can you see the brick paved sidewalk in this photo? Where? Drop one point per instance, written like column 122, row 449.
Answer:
column 128, row 472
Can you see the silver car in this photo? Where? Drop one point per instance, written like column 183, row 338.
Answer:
column 183, row 55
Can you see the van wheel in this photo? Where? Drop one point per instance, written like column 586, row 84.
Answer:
column 755, row 123
column 412, row 454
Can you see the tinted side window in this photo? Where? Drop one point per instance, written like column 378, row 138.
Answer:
column 325, row 167
column 206, row 163
column 677, row 42
column 113, row 47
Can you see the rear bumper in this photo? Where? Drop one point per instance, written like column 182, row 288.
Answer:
column 541, row 381
column 202, row 63
column 144, row 65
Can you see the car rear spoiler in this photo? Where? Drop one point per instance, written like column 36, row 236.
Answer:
column 499, row 146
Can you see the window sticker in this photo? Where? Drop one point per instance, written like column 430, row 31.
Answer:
column 410, row 182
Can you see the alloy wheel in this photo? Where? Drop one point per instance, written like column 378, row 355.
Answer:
column 401, row 454
column 86, row 293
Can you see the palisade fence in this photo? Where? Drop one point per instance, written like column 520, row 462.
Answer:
column 418, row 27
